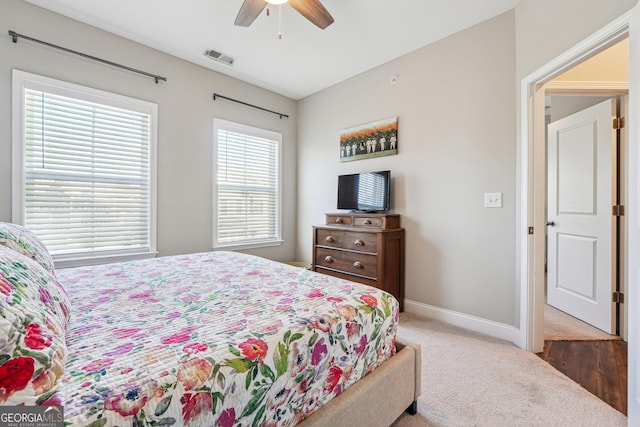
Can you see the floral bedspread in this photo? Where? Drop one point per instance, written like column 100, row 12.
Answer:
column 216, row 339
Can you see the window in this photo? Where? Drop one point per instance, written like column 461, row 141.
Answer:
column 84, row 167
column 246, row 186
column 371, row 191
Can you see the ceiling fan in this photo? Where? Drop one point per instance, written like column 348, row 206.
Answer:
column 313, row 10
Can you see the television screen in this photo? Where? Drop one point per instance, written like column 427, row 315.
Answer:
column 366, row 192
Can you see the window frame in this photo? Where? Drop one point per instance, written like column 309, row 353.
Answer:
column 248, row 130
column 23, row 80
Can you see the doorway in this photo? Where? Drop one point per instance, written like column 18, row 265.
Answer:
column 584, row 211
column 585, row 200
column 533, row 169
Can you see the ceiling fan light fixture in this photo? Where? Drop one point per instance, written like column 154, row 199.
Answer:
column 312, row 10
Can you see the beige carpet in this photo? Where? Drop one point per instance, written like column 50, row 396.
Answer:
column 559, row 326
column 469, row 379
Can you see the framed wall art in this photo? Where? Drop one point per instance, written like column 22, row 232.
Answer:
column 370, row 140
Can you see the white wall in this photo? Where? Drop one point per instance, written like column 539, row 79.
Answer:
column 610, row 65
column 455, row 106
column 186, row 112
column 562, row 106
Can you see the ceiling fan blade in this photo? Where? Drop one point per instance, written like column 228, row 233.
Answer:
column 249, row 11
column 314, row 11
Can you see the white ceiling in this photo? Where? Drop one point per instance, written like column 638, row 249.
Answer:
column 365, row 34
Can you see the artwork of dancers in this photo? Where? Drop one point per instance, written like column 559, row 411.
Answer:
column 375, row 139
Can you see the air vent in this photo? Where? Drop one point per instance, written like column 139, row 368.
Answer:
column 220, row 57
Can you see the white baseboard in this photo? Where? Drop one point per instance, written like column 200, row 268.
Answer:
column 466, row 321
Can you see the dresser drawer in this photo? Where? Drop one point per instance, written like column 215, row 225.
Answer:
column 349, row 262
column 337, row 219
column 368, row 221
column 373, row 220
column 352, row 240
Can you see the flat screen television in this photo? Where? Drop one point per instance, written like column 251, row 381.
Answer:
column 364, row 192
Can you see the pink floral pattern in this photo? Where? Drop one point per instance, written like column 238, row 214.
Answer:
column 223, row 339
column 33, row 316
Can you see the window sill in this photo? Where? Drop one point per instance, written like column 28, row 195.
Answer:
column 105, row 259
column 241, row 246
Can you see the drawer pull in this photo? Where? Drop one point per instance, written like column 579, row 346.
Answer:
column 339, row 221
column 359, row 242
column 367, row 222
column 328, row 259
column 329, row 239
column 358, row 264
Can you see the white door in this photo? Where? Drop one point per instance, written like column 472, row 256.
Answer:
column 580, row 273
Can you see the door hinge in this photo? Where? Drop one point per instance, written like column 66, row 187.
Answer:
column 618, row 122
column 530, row 230
column 618, row 210
column 618, row 297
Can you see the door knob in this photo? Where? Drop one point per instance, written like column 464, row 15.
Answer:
column 551, row 223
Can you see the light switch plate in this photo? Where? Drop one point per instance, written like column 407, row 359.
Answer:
column 492, row 200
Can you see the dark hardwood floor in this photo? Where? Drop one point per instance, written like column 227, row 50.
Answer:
column 598, row 366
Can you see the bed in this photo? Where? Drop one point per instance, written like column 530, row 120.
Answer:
column 207, row 339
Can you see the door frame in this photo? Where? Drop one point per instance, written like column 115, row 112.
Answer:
column 533, row 191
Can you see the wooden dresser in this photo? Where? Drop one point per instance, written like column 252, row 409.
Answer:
column 364, row 248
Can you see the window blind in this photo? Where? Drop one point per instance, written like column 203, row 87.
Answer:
column 247, row 188
column 87, row 175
